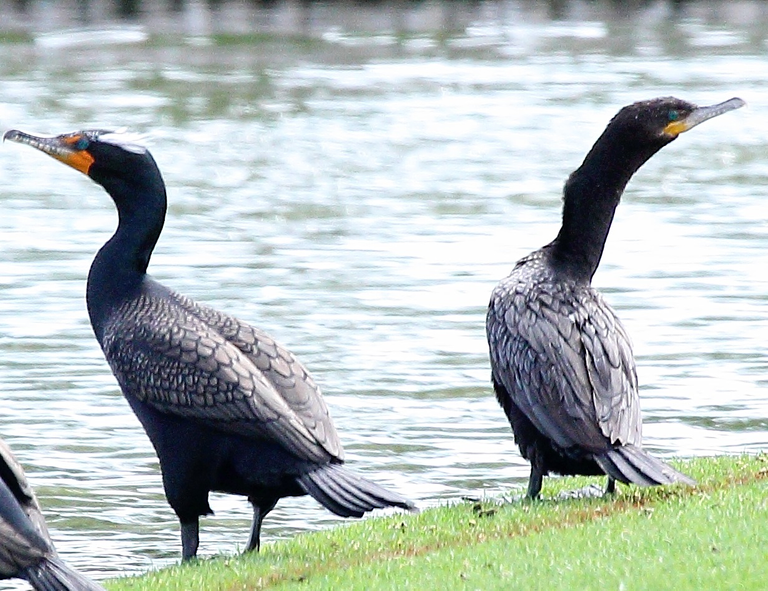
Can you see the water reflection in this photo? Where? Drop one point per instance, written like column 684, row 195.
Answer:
column 358, row 197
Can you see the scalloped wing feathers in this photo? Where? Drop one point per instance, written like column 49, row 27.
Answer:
column 566, row 361
column 296, row 386
column 173, row 356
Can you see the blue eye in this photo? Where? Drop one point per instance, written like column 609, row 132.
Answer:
column 673, row 115
column 82, row 143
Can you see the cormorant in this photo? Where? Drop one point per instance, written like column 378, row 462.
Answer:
column 561, row 362
column 26, row 549
column 226, row 407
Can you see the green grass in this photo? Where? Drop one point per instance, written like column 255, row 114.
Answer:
column 713, row 536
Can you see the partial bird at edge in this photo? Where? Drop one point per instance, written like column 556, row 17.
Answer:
column 26, row 549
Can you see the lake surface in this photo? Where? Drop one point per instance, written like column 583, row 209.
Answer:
column 358, row 196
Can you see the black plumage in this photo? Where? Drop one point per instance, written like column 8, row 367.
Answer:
column 562, row 363
column 225, row 406
column 26, row 549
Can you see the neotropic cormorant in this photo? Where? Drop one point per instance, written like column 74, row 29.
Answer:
column 26, row 549
column 226, row 407
column 562, row 364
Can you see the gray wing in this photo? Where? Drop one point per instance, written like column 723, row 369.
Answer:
column 566, row 361
column 178, row 364
column 24, row 539
column 280, row 367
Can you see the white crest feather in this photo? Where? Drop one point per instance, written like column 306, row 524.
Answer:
column 127, row 140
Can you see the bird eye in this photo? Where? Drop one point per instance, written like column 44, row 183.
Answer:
column 673, row 115
column 82, row 143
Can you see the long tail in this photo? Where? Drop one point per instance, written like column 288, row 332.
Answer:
column 347, row 494
column 630, row 464
column 52, row 574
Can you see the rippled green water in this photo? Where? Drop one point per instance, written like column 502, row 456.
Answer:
column 358, row 197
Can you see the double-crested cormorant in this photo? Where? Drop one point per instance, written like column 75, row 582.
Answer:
column 226, row 407
column 562, row 363
column 26, row 549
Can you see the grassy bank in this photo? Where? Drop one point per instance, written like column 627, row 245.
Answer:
column 713, row 536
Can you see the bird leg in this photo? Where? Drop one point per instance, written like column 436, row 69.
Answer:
column 610, row 488
column 535, row 481
column 536, row 457
column 260, row 511
column 190, row 539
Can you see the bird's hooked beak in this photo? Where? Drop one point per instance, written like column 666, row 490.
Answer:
column 69, row 148
column 701, row 114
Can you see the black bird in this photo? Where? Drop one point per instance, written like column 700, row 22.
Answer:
column 26, row 549
column 562, row 364
column 226, row 407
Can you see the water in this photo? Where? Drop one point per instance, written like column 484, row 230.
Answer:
column 358, row 197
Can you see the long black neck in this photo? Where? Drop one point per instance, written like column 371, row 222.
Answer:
column 590, row 197
column 120, row 266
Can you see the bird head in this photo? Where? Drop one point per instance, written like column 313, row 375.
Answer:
column 661, row 120
column 117, row 160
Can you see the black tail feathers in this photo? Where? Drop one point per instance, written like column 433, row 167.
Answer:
column 630, row 464
column 347, row 494
column 52, row 574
